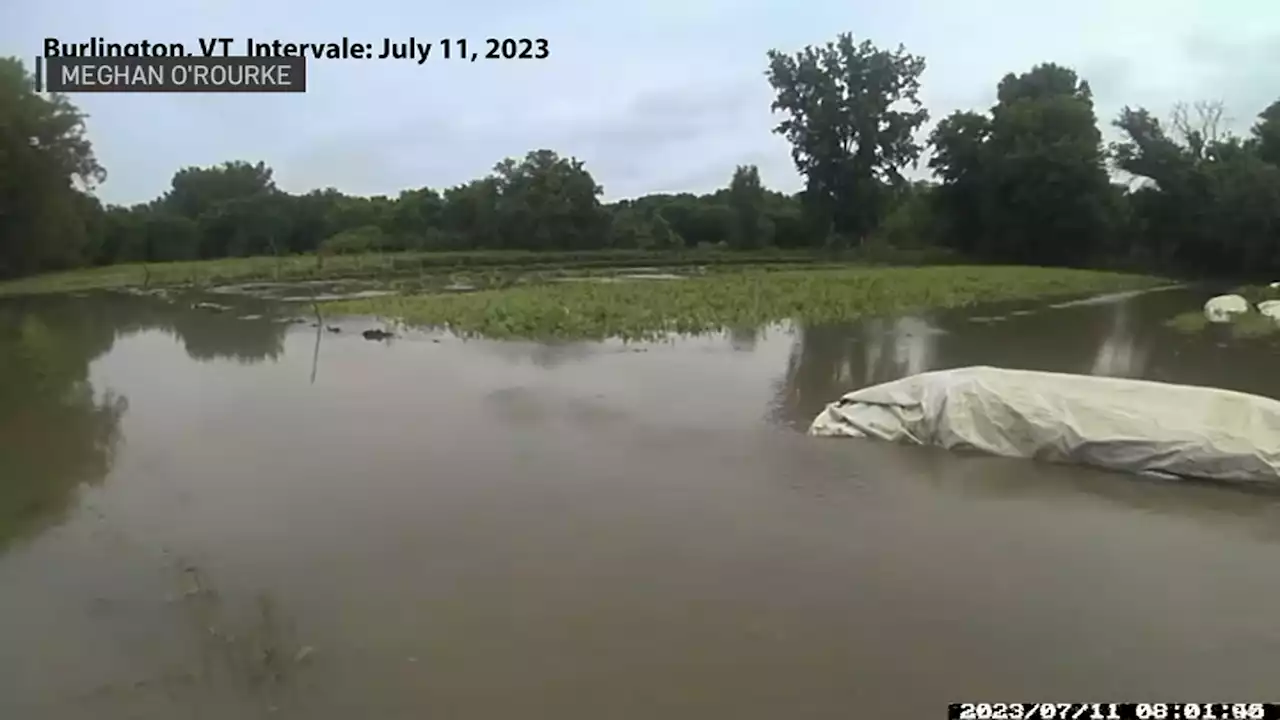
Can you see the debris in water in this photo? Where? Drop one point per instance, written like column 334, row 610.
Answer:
column 333, row 329
column 303, row 653
column 377, row 334
column 213, row 307
column 1220, row 309
column 250, row 317
column 192, row 583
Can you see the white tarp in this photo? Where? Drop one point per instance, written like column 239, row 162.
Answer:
column 1116, row 423
column 1221, row 308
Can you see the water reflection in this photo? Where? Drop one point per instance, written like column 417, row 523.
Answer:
column 898, row 347
column 744, row 339
column 58, row 432
column 1120, row 354
column 205, row 334
column 451, row 530
column 55, row 431
column 544, row 355
column 1120, row 335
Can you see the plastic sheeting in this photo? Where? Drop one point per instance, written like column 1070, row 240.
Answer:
column 1120, row 424
column 1222, row 307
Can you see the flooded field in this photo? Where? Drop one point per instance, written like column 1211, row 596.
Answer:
column 229, row 513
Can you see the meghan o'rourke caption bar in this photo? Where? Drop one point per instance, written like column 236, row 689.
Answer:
column 176, row 74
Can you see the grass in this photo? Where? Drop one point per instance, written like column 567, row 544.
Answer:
column 1192, row 321
column 652, row 308
column 1244, row 325
column 1258, row 293
column 1251, row 324
column 376, row 265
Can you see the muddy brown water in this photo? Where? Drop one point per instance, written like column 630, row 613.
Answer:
column 209, row 517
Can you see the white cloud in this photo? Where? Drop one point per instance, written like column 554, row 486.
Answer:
column 660, row 96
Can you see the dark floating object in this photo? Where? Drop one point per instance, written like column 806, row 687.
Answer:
column 377, row 334
column 333, row 329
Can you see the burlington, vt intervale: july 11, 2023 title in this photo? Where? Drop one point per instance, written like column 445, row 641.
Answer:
column 346, row 49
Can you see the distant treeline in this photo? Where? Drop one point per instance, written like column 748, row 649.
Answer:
column 1029, row 181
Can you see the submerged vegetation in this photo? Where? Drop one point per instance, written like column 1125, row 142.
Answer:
column 1250, row 324
column 651, row 308
column 1243, row 325
column 406, row 266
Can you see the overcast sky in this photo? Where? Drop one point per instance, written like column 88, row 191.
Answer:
column 665, row 95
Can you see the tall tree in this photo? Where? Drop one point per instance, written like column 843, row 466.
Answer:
column 235, row 205
column 751, row 229
column 548, row 202
column 960, row 159
column 1266, row 134
column 45, row 162
column 1028, row 184
column 1210, row 201
column 852, row 112
column 1051, row 182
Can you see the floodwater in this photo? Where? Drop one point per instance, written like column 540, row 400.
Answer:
column 203, row 516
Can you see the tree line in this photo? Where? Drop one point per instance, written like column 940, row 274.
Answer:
column 1028, row 181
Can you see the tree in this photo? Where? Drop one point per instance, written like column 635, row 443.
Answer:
column 1051, row 182
column 641, row 226
column 960, row 159
column 45, row 161
column 235, row 205
column 1266, row 134
column 415, row 217
column 548, row 202
column 852, row 112
column 194, row 191
column 470, row 215
column 356, row 240
column 910, row 222
column 751, row 228
column 1210, row 201
column 1027, row 184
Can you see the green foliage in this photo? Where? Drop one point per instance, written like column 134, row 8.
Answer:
column 749, row 226
column 650, row 308
column 1026, row 184
column 55, row 431
column 1242, row 325
column 357, row 240
column 305, row 267
column 45, row 161
column 1266, row 134
column 851, row 114
column 546, row 202
column 1209, row 203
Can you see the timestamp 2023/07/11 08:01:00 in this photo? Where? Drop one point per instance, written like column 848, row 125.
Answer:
column 1113, row 711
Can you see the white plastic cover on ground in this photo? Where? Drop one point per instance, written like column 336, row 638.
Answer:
column 1270, row 308
column 1130, row 425
column 1222, row 307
